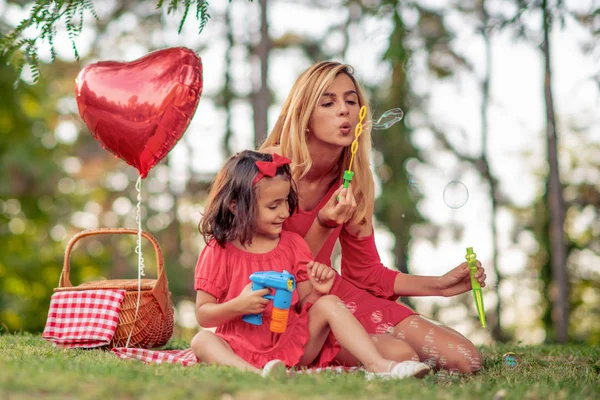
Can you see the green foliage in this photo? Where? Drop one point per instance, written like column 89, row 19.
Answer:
column 30, row 367
column 202, row 14
column 45, row 15
column 397, row 205
column 31, row 205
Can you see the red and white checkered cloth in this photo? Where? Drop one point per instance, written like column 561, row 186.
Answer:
column 86, row 318
column 187, row 358
column 184, row 357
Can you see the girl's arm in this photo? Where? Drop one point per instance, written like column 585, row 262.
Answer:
column 319, row 283
column 306, row 294
column 210, row 314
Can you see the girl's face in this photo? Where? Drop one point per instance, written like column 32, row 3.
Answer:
column 336, row 115
column 272, row 205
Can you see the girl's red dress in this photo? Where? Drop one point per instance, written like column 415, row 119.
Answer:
column 366, row 286
column 224, row 272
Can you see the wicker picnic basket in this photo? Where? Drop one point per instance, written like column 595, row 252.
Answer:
column 153, row 325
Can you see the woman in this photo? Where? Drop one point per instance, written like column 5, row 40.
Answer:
column 315, row 130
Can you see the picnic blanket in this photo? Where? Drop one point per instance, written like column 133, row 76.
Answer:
column 84, row 318
column 187, row 358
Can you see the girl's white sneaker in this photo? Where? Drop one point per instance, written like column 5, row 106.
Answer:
column 402, row 370
column 274, row 368
column 407, row 369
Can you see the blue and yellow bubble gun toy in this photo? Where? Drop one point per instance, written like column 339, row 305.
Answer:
column 284, row 284
column 472, row 263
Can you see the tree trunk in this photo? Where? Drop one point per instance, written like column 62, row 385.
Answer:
column 495, row 323
column 262, row 97
column 227, row 92
column 556, row 206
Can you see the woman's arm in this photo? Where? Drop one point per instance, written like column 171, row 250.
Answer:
column 362, row 265
column 316, row 237
column 416, row 285
column 337, row 211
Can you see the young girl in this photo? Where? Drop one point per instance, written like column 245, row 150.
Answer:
column 251, row 198
column 315, row 130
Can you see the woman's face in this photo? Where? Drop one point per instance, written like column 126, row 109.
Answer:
column 333, row 121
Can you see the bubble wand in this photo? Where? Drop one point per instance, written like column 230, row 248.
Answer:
column 472, row 263
column 348, row 174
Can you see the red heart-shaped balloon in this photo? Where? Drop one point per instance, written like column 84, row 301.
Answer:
column 138, row 110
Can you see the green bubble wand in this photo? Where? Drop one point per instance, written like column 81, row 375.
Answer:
column 348, row 174
column 472, row 263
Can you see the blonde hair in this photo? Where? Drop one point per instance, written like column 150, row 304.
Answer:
column 289, row 131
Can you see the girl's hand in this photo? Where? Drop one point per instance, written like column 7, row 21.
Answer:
column 458, row 280
column 321, row 277
column 251, row 301
column 339, row 209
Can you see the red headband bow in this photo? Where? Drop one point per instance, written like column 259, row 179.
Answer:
column 269, row 168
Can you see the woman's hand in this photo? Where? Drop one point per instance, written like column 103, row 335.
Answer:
column 339, row 209
column 458, row 280
column 321, row 277
column 251, row 301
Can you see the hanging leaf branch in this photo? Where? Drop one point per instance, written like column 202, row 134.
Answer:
column 45, row 15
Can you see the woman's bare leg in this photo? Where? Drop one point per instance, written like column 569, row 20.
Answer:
column 439, row 346
column 210, row 348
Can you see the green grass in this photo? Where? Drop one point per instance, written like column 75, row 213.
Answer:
column 32, row 368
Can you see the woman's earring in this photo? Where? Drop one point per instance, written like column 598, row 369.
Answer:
column 307, row 131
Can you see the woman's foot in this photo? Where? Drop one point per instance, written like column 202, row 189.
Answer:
column 401, row 370
column 274, row 368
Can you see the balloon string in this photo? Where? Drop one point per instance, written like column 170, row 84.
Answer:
column 138, row 219
column 138, row 251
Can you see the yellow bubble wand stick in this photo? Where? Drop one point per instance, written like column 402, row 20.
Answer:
column 348, row 174
column 472, row 263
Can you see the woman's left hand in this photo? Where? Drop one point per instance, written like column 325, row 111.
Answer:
column 458, row 280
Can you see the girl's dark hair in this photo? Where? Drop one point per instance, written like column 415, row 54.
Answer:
column 234, row 184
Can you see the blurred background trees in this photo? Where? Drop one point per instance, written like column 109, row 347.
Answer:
column 542, row 253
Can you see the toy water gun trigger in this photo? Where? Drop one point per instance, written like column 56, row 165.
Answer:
column 348, row 174
column 472, row 263
column 284, row 284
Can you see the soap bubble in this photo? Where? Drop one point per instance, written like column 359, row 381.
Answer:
column 456, row 194
column 443, row 361
column 376, row 317
column 510, row 359
column 385, row 329
column 413, row 324
column 351, row 307
column 388, row 118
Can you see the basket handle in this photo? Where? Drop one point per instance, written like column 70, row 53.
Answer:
column 160, row 267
